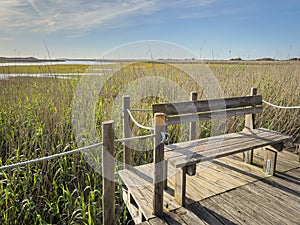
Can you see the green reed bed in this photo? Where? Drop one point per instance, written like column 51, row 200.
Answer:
column 35, row 122
column 40, row 69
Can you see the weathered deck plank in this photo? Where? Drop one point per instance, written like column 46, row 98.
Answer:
column 219, row 212
column 247, row 198
column 269, row 203
column 229, row 191
column 233, row 209
column 242, row 207
column 203, row 214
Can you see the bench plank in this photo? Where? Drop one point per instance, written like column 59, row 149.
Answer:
column 206, row 149
column 206, row 144
column 196, row 157
column 206, row 105
column 188, row 118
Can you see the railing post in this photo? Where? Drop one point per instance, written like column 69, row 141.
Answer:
column 126, row 133
column 159, row 164
column 250, row 124
column 108, row 200
column 193, row 97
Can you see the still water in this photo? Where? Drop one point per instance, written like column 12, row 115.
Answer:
column 94, row 70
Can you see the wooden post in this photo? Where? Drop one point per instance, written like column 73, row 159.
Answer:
column 193, row 97
column 126, row 133
column 250, row 119
column 250, row 124
column 159, row 165
column 108, row 200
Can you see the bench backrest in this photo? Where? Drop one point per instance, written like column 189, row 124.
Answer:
column 200, row 110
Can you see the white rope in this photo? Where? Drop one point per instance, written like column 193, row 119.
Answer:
column 141, row 110
column 135, row 110
column 165, row 137
column 135, row 138
column 69, row 152
column 49, row 157
column 136, row 123
column 281, row 107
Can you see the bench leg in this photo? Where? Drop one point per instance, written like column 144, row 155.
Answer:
column 270, row 159
column 248, row 156
column 180, row 186
column 299, row 152
column 298, row 146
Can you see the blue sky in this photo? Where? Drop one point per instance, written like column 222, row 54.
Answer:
column 218, row 29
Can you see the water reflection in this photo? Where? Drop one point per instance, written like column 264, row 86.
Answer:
column 45, row 63
column 49, row 75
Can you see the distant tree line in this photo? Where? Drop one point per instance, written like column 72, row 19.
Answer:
column 265, row 59
column 294, row 59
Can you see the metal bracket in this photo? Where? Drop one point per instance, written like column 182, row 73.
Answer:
column 165, row 137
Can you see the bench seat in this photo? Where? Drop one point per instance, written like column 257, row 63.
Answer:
column 191, row 152
column 185, row 155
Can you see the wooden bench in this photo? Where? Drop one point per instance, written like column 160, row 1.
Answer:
column 186, row 155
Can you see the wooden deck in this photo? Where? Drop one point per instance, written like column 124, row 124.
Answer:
column 224, row 191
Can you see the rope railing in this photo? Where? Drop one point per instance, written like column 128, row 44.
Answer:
column 138, row 124
column 46, row 158
column 141, row 110
column 135, row 110
column 281, row 107
column 135, row 138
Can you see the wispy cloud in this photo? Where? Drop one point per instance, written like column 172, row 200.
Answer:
column 188, row 9
column 76, row 15
column 185, row 3
column 54, row 15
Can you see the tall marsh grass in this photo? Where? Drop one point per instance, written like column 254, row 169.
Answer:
column 35, row 121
